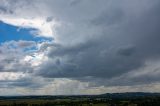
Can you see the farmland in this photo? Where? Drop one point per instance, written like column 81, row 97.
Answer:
column 118, row 99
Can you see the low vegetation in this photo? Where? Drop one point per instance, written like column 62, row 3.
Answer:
column 99, row 100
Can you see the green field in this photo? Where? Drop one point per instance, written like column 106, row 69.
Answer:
column 59, row 102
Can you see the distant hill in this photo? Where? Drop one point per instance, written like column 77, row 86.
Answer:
column 106, row 95
column 130, row 95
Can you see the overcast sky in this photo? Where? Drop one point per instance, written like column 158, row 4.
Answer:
column 63, row 47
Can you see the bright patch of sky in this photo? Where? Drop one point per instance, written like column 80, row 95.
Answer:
column 9, row 32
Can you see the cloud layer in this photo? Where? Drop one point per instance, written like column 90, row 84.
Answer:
column 96, row 45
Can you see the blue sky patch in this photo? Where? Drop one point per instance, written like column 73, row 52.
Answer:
column 9, row 32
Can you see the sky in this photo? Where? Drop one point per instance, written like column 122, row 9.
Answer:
column 76, row 47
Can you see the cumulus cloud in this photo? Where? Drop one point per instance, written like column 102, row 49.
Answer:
column 123, row 44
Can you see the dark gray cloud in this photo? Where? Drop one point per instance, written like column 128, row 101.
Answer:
column 4, row 10
column 26, row 82
column 109, row 17
column 127, row 40
column 75, row 2
column 126, row 51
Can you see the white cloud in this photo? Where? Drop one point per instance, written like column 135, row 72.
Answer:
column 11, row 75
column 41, row 25
column 36, row 59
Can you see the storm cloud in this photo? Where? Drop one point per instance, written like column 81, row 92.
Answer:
column 123, row 44
column 105, row 43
